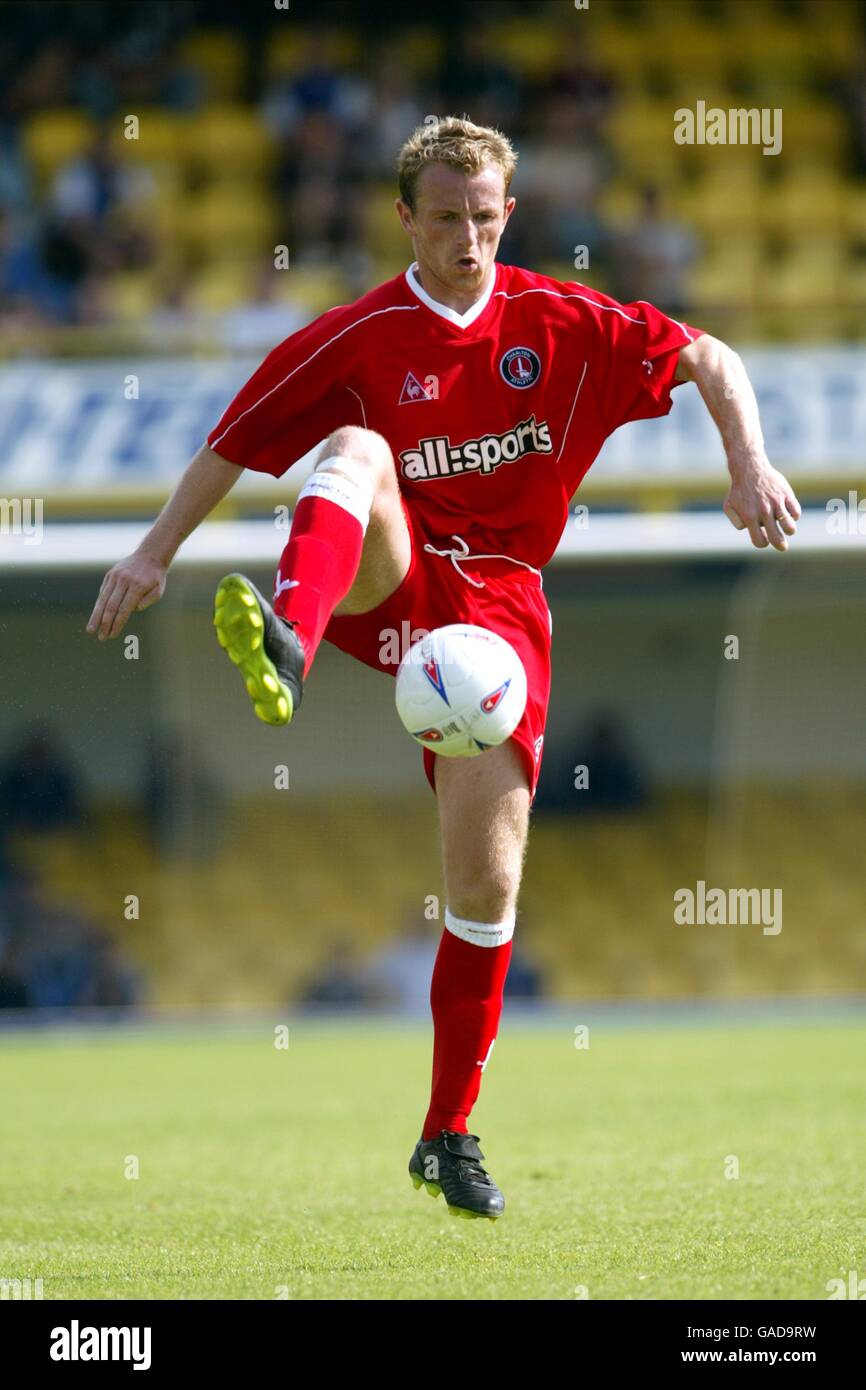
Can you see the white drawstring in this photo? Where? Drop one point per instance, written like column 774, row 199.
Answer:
column 464, row 554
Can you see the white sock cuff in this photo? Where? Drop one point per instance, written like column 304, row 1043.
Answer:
column 481, row 933
column 352, row 490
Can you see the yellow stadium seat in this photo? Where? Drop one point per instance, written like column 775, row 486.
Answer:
column 345, row 47
column 854, row 281
column 811, row 200
column 316, row 288
column 813, row 130
column 220, row 287
column 532, row 49
column 833, row 30
column 619, row 201
column 131, row 295
column 158, row 140
column 641, row 138
column 726, row 279
column 807, row 277
column 733, row 13
column 700, row 51
column 776, row 51
column 641, row 120
column 723, row 200
column 854, row 211
column 227, row 139
column 619, row 49
column 216, row 225
column 53, row 137
column 284, row 51
column 421, row 50
column 288, row 49
column 221, row 56
column 382, row 228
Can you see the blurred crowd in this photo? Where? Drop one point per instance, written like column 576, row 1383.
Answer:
column 335, row 134
column 397, row 976
column 52, row 954
column 53, row 951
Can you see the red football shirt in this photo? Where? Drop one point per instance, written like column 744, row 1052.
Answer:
column 493, row 416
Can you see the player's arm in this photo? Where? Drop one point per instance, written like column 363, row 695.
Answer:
column 760, row 497
column 139, row 580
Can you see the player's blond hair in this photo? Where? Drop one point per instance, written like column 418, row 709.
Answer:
column 456, row 141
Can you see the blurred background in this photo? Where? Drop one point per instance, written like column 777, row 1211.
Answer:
column 184, row 184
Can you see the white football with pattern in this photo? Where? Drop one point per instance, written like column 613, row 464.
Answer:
column 461, row 690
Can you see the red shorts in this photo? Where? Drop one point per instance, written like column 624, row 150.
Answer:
column 434, row 594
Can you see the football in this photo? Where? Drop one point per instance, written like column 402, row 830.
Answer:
column 461, row 690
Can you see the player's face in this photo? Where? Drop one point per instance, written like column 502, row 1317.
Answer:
column 456, row 227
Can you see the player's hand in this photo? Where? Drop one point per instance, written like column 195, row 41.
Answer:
column 762, row 500
column 129, row 587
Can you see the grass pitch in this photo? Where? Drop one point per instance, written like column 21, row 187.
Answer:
column 266, row 1173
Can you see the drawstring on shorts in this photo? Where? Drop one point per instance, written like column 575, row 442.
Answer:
column 456, row 555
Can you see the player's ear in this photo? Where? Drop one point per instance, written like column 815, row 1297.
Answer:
column 510, row 205
column 404, row 212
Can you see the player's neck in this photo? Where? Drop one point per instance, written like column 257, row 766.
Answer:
column 451, row 299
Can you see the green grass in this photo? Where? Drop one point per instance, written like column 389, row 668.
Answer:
column 262, row 1168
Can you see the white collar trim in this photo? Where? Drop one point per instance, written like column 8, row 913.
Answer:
column 461, row 320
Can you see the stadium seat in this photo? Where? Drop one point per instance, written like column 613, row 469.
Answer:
column 220, row 286
column 809, row 200
column 833, row 36
column 725, row 276
column 578, row 908
column 159, row 138
column 287, row 49
column 382, row 231
column 853, row 198
column 420, row 49
column 221, row 57
column 776, row 55
column 316, row 288
column 284, row 50
column 813, row 130
column 724, row 200
column 700, row 50
column 533, row 50
column 131, row 295
column 225, row 140
column 53, row 137
column 805, row 276
column 619, row 50
column 226, row 225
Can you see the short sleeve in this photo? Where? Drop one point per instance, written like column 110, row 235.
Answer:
column 292, row 401
column 641, row 355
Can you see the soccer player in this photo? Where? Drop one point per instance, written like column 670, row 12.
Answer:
column 461, row 404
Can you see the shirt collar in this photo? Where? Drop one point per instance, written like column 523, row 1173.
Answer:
column 460, row 320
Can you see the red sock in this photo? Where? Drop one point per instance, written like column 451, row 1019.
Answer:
column 466, row 999
column 321, row 557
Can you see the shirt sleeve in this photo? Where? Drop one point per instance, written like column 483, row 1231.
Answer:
column 297, row 397
column 640, row 359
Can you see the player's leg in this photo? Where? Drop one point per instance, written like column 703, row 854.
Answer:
column 484, row 819
column 349, row 548
column 484, row 822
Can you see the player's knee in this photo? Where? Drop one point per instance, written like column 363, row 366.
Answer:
column 343, row 477
column 356, row 469
column 487, row 897
column 358, row 447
